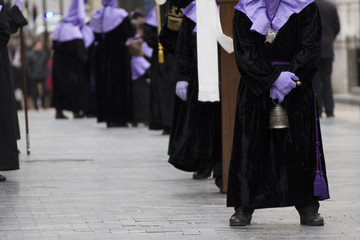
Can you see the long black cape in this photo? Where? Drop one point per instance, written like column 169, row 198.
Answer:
column 10, row 21
column 113, row 75
column 274, row 168
column 68, row 75
column 195, row 137
column 162, row 89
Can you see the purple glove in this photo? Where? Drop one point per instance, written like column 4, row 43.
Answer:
column 181, row 89
column 0, row 7
column 285, row 82
column 275, row 93
column 20, row 4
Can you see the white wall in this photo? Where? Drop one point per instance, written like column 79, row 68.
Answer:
column 54, row 5
column 343, row 75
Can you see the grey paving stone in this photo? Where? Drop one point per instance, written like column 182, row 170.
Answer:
column 84, row 181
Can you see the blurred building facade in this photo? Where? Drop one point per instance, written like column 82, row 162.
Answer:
column 346, row 74
column 58, row 5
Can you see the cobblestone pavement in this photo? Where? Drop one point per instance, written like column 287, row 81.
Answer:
column 84, row 181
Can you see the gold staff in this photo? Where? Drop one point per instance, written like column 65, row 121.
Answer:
column 161, row 49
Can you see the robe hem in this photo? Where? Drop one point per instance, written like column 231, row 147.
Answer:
column 276, row 205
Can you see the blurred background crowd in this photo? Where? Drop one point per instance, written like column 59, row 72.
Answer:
column 43, row 17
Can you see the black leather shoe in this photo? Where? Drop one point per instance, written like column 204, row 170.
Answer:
column 78, row 114
column 313, row 219
column 60, row 115
column 2, row 178
column 202, row 173
column 239, row 218
column 116, row 124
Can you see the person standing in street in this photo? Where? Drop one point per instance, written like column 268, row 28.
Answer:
column 277, row 43
column 162, row 89
column 112, row 27
column 330, row 29
column 139, row 74
column 71, row 38
column 10, row 21
column 36, row 63
column 195, row 137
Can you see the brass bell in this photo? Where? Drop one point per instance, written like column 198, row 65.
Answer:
column 278, row 117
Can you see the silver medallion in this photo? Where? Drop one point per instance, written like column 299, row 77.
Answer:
column 270, row 36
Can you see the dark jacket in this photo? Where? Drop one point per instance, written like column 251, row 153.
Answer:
column 36, row 63
column 330, row 27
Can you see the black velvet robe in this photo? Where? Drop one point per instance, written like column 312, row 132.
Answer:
column 89, row 76
column 10, row 21
column 68, row 75
column 169, row 34
column 195, row 137
column 113, row 75
column 275, row 168
column 162, row 89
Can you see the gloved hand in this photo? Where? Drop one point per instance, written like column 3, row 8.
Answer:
column 181, row 89
column 285, row 82
column 20, row 4
column 275, row 93
column 283, row 85
column 0, row 8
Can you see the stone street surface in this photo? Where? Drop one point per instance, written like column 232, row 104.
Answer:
column 85, row 181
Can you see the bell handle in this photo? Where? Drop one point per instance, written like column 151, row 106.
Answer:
column 275, row 103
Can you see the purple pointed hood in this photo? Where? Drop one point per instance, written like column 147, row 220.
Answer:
column 111, row 3
column 73, row 25
column 151, row 18
column 76, row 13
column 108, row 17
column 265, row 14
column 190, row 13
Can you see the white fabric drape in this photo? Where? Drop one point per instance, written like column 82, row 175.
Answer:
column 209, row 33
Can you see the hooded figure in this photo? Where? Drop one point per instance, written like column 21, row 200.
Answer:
column 277, row 43
column 112, row 28
column 195, row 137
column 140, row 65
column 71, row 38
column 162, row 90
column 10, row 21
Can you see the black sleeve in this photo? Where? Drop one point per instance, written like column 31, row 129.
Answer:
column 4, row 28
column 151, row 36
column 184, row 53
column 16, row 19
column 126, row 29
column 81, row 51
column 336, row 23
column 306, row 62
column 168, row 39
column 258, row 72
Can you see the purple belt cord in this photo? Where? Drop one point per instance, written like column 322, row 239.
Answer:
column 280, row 63
column 320, row 188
